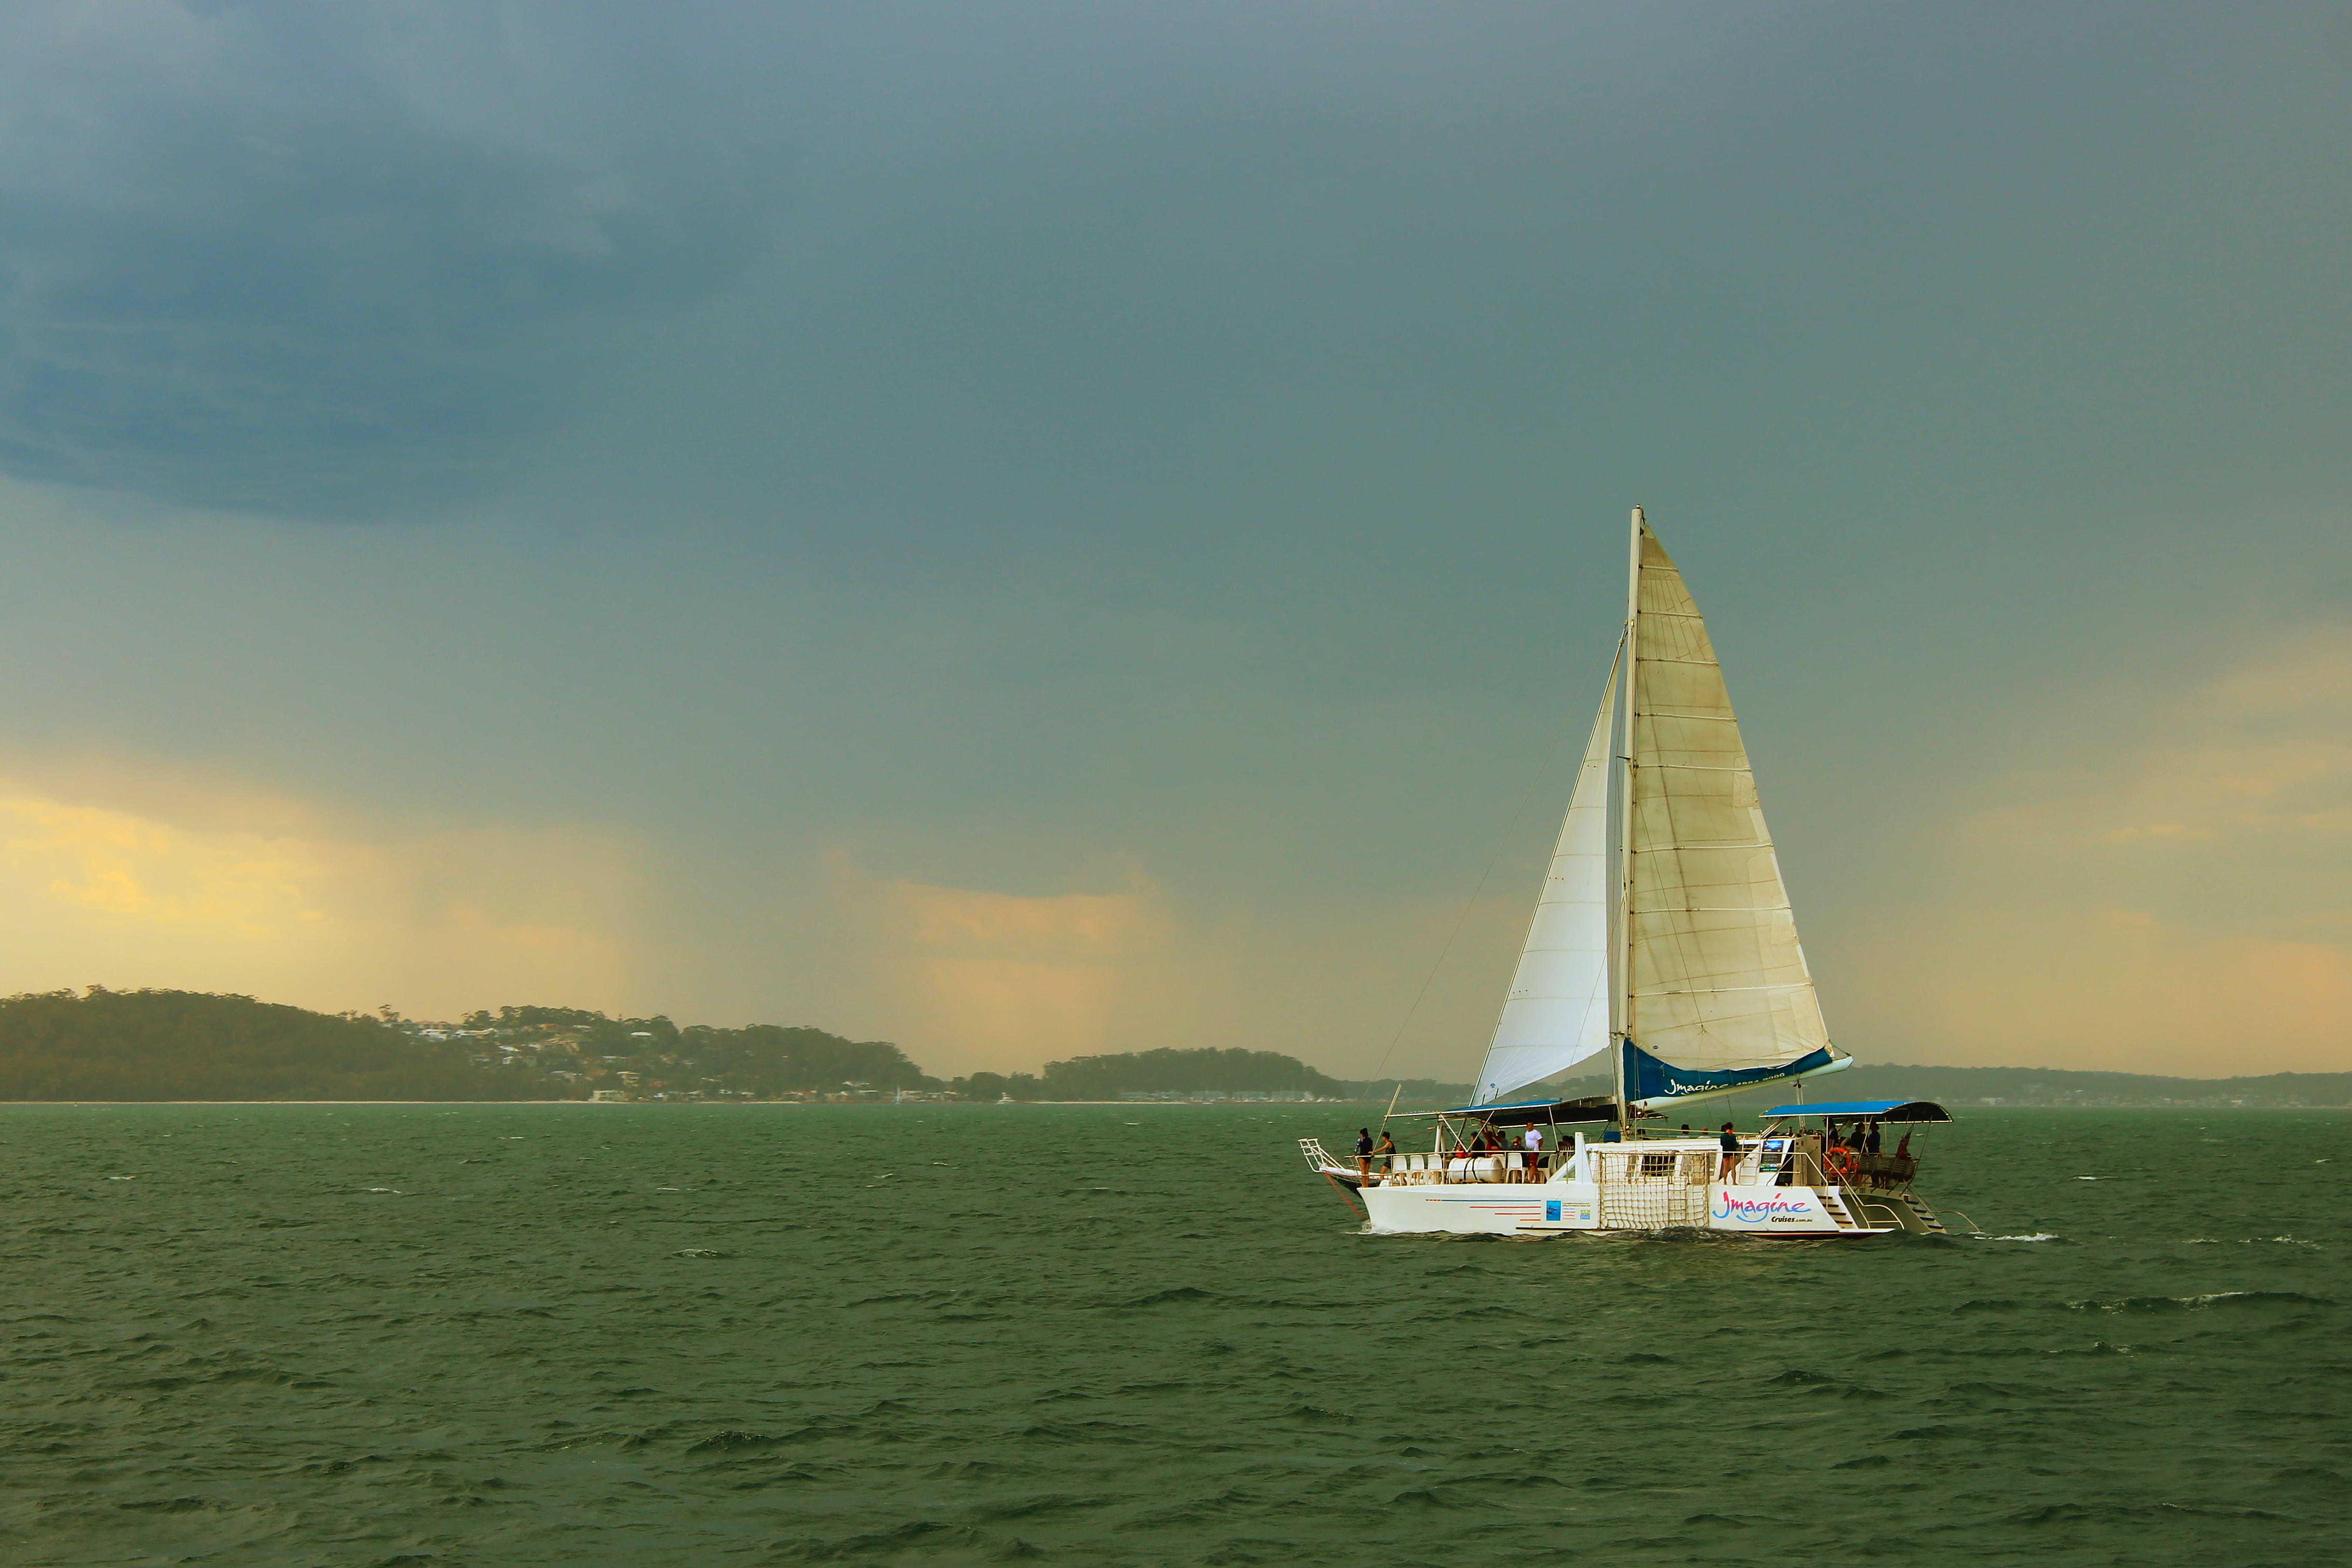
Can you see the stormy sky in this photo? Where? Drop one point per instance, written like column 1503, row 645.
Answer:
column 1028, row 530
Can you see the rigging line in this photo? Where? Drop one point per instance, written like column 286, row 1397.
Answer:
column 1551, row 754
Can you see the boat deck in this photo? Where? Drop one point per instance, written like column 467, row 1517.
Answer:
column 1656, row 1184
column 1685, row 1162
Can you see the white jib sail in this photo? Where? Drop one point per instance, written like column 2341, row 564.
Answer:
column 1556, row 1013
column 1718, row 979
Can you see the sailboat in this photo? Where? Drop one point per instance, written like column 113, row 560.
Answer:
column 1663, row 941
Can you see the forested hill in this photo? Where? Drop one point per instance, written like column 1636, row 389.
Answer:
column 1165, row 1072
column 185, row 1044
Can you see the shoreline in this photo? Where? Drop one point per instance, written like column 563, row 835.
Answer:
column 686, row 1104
column 1962, row 1112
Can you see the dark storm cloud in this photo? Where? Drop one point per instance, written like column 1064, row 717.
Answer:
column 284, row 259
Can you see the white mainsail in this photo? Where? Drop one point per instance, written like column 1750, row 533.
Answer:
column 1715, row 978
column 1557, row 1011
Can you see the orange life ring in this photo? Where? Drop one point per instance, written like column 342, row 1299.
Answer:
column 1842, row 1162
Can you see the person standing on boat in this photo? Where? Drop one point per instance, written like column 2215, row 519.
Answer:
column 1364, row 1152
column 1386, row 1152
column 1730, row 1160
column 1534, row 1144
column 1870, row 1139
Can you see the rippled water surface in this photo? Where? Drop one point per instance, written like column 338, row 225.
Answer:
column 617, row 1334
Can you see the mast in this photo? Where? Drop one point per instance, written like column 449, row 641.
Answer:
column 1624, row 947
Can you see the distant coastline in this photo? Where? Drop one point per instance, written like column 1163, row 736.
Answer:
column 2048, row 1088
column 1732, row 1108
column 200, row 1047
column 179, row 1048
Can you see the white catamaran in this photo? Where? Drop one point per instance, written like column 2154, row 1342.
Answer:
column 1663, row 936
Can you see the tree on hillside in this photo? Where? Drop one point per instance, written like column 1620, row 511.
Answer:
column 768, row 1058
column 993, row 1086
column 1227, row 1071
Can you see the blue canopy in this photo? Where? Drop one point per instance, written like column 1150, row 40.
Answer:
column 1879, row 1109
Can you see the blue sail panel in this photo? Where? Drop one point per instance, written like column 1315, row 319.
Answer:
column 1647, row 1078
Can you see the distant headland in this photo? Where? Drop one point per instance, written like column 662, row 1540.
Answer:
column 155, row 1045
column 106, row 1044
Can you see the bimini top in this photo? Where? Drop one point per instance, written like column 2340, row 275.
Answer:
column 1877, row 1110
column 1520, row 1113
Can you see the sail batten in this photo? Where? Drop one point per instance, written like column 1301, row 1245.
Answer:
column 1715, row 990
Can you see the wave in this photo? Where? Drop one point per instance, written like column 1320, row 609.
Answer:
column 733, row 1442
column 2204, row 1302
column 1169, row 1297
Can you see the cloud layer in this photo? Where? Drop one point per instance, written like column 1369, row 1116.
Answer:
column 324, row 261
column 220, row 889
column 1156, row 502
column 2170, row 892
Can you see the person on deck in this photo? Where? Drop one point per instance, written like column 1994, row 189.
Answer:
column 1870, row 1139
column 1533, row 1144
column 1386, row 1152
column 1364, row 1152
column 1729, row 1144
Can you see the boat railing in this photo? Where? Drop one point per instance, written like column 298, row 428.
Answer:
column 1885, row 1170
column 1634, row 1162
column 1317, row 1157
column 1670, row 1167
column 1841, row 1168
column 1403, row 1170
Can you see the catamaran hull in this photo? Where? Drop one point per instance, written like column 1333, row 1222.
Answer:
column 1538, row 1208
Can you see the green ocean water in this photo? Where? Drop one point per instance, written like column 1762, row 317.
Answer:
column 618, row 1334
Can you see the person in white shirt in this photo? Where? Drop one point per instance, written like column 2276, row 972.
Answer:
column 1535, row 1153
